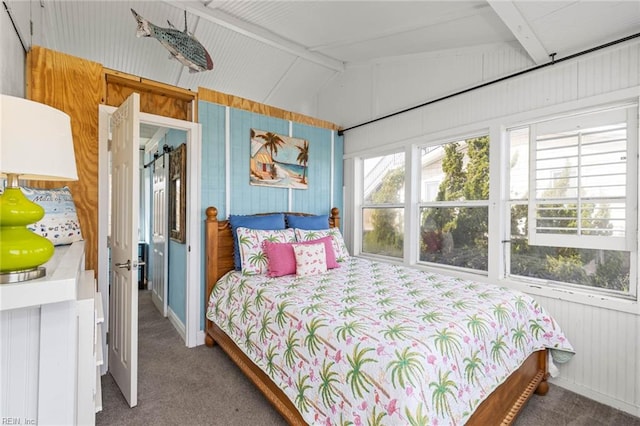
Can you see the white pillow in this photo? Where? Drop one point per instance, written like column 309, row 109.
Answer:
column 60, row 223
column 339, row 246
column 311, row 259
column 253, row 258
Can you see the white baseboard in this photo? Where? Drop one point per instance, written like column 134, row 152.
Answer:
column 177, row 324
column 200, row 338
column 634, row 410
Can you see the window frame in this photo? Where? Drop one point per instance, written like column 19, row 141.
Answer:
column 623, row 243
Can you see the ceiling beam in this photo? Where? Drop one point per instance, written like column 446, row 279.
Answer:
column 513, row 19
column 256, row 32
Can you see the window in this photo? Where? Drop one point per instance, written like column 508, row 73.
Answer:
column 579, row 187
column 383, row 205
column 454, row 219
column 563, row 212
column 573, row 185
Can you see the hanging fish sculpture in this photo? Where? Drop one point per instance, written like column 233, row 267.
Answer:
column 183, row 45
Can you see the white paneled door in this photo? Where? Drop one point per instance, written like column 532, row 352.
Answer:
column 123, row 306
column 159, row 237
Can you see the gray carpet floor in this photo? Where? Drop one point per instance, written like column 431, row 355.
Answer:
column 201, row 386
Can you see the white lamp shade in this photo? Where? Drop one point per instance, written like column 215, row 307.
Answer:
column 35, row 141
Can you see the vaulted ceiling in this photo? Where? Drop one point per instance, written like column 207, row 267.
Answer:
column 283, row 53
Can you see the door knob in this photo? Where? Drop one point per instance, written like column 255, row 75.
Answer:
column 128, row 265
column 125, row 265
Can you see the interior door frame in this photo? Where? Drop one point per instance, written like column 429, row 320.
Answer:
column 193, row 334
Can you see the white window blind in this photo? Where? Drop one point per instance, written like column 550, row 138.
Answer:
column 583, row 180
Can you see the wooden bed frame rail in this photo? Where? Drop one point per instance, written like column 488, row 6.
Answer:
column 500, row 408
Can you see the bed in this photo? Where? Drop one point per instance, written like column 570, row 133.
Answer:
column 434, row 371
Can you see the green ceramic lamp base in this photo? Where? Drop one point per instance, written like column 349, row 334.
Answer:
column 21, row 250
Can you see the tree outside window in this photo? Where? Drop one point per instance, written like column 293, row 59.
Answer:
column 383, row 211
column 454, row 226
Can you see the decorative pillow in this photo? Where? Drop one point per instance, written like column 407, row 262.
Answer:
column 307, row 222
column 311, row 259
column 339, row 246
column 60, row 223
column 282, row 261
column 265, row 222
column 252, row 256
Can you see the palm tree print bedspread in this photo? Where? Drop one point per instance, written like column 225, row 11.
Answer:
column 382, row 344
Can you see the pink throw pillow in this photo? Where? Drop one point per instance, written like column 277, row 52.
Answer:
column 282, row 260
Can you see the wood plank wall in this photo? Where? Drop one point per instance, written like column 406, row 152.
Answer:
column 73, row 85
column 77, row 86
column 155, row 98
column 268, row 110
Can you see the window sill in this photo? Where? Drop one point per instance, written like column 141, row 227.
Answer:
column 573, row 295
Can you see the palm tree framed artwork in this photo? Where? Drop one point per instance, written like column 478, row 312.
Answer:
column 278, row 160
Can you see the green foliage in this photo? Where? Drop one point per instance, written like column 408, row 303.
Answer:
column 476, row 186
column 590, row 267
column 466, row 228
column 471, row 225
column 385, row 238
column 566, row 268
column 451, row 188
column 612, row 272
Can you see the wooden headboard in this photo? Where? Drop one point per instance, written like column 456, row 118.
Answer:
column 219, row 245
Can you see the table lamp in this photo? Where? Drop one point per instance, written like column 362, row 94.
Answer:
column 35, row 144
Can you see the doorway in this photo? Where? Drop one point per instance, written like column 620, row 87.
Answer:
column 191, row 327
column 161, row 197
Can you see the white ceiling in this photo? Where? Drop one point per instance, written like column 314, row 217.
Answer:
column 283, row 53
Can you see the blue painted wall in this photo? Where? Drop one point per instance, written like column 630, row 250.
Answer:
column 247, row 199
column 177, row 290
